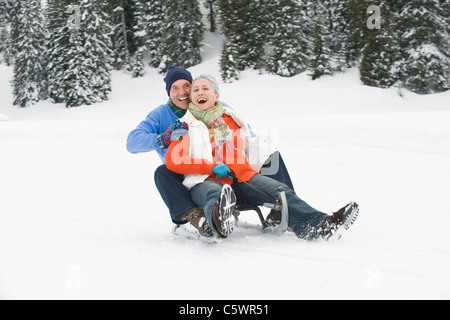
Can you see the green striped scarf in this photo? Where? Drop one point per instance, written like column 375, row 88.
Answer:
column 178, row 111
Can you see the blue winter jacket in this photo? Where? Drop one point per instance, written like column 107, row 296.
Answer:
column 143, row 138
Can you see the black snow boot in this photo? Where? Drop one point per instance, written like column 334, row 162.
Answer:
column 340, row 221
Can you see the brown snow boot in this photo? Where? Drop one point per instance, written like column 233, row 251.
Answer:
column 196, row 217
column 274, row 218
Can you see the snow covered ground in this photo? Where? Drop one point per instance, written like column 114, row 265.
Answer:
column 80, row 218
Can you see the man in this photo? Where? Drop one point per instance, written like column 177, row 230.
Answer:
column 161, row 128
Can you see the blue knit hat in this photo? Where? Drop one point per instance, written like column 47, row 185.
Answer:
column 174, row 74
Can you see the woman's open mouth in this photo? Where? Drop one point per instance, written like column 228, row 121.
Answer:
column 202, row 101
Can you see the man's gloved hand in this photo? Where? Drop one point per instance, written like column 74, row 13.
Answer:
column 174, row 133
column 222, row 171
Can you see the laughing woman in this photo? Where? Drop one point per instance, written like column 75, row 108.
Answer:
column 219, row 144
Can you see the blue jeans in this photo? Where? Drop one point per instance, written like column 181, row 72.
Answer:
column 175, row 195
column 177, row 198
column 302, row 217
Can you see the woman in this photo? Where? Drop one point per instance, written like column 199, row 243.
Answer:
column 218, row 144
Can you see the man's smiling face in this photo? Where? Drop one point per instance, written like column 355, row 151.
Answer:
column 180, row 92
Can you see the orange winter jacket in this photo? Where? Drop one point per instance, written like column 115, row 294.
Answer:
column 179, row 161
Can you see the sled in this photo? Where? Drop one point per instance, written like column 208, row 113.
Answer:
column 280, row 205
column 190, row 233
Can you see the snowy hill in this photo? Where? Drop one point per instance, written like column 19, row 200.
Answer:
column 81, row 218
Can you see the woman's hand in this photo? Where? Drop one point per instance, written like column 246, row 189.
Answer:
column 222, row 171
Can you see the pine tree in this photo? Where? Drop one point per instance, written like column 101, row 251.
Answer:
column 75, row 83
column 445, row 9
column 59, row 14
column 97, row 47
column 183, row 34
column 425, row 40
column 147, row 30
column 231, row 60
column 255, row 32
column 154, row 27
column 115, row 12
column 30, row 78
column 230, row 65
column 148, row 33
column 213, row 7
column 337, row 29
column 3, row 13
column 352, row 25
column 381, row 54
column 5, row 43
column 121, row 17
column 246, row 25
column 320, row 45
column 88, row 78
column 290, row 47
column 3, row 24
column 13, row 13
column 135, row 65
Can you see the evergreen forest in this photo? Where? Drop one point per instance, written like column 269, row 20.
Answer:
column 65, row 50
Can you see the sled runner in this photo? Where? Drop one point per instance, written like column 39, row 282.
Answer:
column 280, row 206
column 268, row 227
column 190, row 233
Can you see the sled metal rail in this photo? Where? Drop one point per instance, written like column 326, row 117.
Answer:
column 280, row 206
